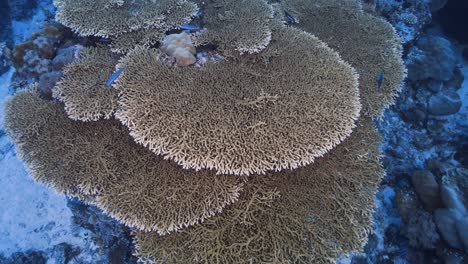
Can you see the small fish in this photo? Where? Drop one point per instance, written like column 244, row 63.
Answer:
column 104, row 40
column 114, row 76
column 380, row 80
column 190, row 27
column 290, row 19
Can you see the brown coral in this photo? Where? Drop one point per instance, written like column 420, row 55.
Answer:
column 82, row 87
column 309, row 215
column 368, row 43
column 237, row 26
column 101, row 160
column 222, row 117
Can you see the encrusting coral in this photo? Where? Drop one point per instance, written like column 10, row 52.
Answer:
column 82, row 87
column 370, row 44
column 237, row 26
column 180, row 47
column 309, row 215
column 100, row 159
column 222, row 116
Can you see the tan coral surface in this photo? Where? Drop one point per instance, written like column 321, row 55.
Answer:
column 237, row 27
column 242, row 118
column 100, row 159
column 82, row 87
column 310, row 215
column 370, row 44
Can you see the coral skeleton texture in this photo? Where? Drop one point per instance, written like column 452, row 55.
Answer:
column 268, row 155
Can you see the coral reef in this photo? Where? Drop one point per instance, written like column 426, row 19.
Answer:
column 242, row 118
column 82, row 87
column 131, row 23
column 287, row 217
column 268, row 98
column 237, row 27
column 409, row 17
column 372, row 48
column 100, row 163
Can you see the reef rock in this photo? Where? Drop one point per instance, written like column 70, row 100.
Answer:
column 427, row 188
column 432, row 57
column 447, row 102
column 446, row 220
column 462, row 229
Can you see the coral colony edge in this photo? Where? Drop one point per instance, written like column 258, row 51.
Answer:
column 227, row 131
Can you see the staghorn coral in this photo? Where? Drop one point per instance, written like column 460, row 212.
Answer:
column 99, row 160
column 202, row 118
column 368, row 43
column 106, row 18
column 82, row 87
column 180, row 47
column 237, row 26
column 309, row 215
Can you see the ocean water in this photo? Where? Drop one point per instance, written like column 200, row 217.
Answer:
column 419, row 211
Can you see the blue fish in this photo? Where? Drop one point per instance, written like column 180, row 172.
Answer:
column 290, row 18
column 380, row 80
column 114, row 76
column 189, row 27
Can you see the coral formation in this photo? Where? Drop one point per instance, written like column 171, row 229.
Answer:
column 116, row 19
column 309, row 215
column 218, row 117
column 237, row 26
column 180, row 47
column 100, row 160
column 147, row 37
column 82, row 87
column 281, row 103
column 368, row 43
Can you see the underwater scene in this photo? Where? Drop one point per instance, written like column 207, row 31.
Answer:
column 234, row 131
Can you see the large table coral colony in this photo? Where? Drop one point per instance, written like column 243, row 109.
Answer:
column 267, row 156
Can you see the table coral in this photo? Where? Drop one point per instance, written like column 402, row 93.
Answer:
column 218, row 117
column 281, row 103
column 99, row 162
column 368, row 43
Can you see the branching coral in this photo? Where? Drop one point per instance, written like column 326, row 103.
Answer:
column 116, row 18
column 100, row 159
column 82, row 88
column 309, row 215
column 241, row 26
column 196, row 116
column 147, row 37
column 282, row 103
column 368, row 43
